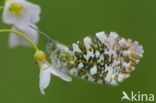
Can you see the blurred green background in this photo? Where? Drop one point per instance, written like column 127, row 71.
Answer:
column 68, row 21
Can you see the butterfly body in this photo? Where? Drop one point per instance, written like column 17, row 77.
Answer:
column 102, row 58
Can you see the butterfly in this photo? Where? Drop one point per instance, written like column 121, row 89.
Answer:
column 103, row 58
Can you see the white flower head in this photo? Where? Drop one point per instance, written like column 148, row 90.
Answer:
column 17, row 12
column 21, row 14
column 46, row 70
column 15, row 40
column 45, row 75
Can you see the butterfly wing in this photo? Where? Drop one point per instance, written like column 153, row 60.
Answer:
column 103, row 58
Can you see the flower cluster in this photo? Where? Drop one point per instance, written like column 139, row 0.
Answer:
column 23, row 15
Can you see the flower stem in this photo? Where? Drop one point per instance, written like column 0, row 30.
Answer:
column 6, row 0
column 23, row 36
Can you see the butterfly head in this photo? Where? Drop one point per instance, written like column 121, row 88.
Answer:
column 51, row 46
column 54, row 48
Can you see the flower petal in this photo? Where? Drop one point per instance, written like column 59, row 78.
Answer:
column 35, row 11
column 44, row 78
column 13, row 40
column 29, row 32
column 58, row 73
column 8, row 17
column 29, row 14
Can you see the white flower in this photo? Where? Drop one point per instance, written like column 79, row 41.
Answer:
column 15, row 40
column 46, row 70
column 20, row 12
column 45, row 75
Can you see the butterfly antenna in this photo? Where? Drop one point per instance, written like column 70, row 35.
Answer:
column 44, row 34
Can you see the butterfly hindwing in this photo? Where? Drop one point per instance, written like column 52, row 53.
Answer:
column 103, row 58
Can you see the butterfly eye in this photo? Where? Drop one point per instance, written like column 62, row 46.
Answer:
column 53, row 48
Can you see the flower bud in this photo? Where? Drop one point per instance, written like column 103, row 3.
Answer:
column 40, row 57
